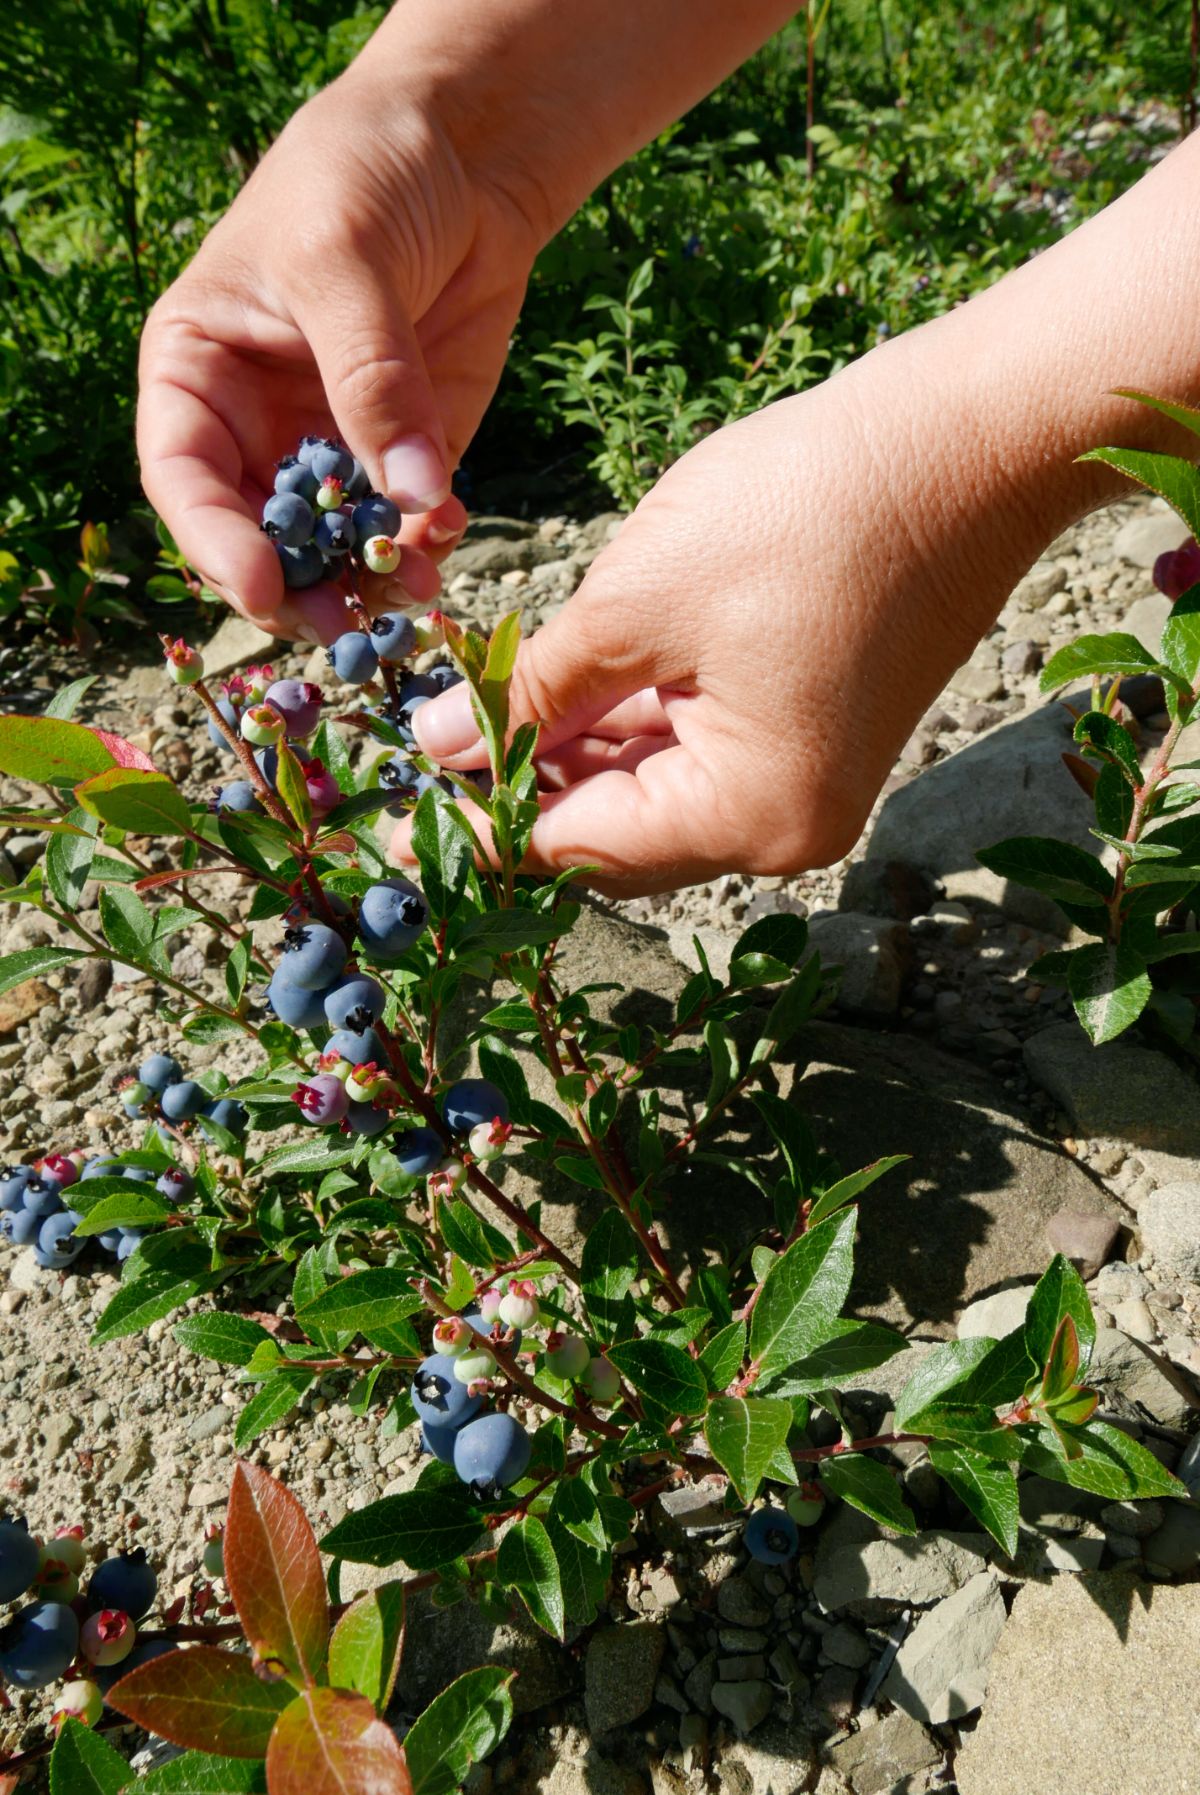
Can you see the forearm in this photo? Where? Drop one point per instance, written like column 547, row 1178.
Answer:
column 546, row 97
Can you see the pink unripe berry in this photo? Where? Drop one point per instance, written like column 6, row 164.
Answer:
column 262, row 725
column 1177, row 569
column 487, row 1140
column 67, row 1548
column 806, row 1504
column 566, row 1355
column 323, row 789
column 489, row 1307
column 255, row 682
column 431, row 630
column 323, row 1099
column 602, row 1381
column 381, row 554
column 519, row 1304
column 58, row 1169
column 185, row 665
column 474, row 1367
column 80, row 1701
column 107, row 1637
column 452, row 1335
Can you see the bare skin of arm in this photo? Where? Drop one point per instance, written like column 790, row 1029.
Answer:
column 731, row 683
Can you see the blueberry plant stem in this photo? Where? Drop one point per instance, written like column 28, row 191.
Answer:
column 1143, row 797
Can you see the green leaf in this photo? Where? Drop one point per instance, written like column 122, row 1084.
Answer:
column 65, row 701
column 988, row 1489
column 499, row 1063
column 84, row 1763
column 197, row 1773
column 1108, row 1463
column 663, row 1374
column 506, row 931
column 1000, row 1376
column 584, row 1569
column 315, row 1155
column 69, row 857
column 1088, row 656
column 273, row 1400
column 793, row 1135
column 608, row 1269
column 866, row 1484
column 1180, row 644
column 32, row 962
column 143, row 803
column 803, row 1294
column 781, row 937
column 1060, row 1291
column 1057, row 868
column 721, row 1359
column 50, row 751
column 142, row 1211
column 1109, row 987
column 291, row 786
column 858, row 1346
column 1113, row 799
column 1174, row 479
column 364, row 1649
column 128, row 926
column 1170, row 408
column 526, row 1561
column 851, row 1186
column 155, row 1289
column 373, row 1302
column 1062, row 1364
column 442, row 844
column 942, row 1370
column 1104, row 733
column 458, row 1729
column 422, row 1528
column 229, row 1339
column 791, row 1009
column 744, row 1433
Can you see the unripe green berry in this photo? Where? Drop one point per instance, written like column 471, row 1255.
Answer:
column 602, row 1381
column 381, row 554
column 262, row 725
column 806, row 1505
column 567, row 1355
column 185, row 665
column 431, row 630
column 473, row 1367
column 80, row 1701
column 330, row 495
column 213, row 1560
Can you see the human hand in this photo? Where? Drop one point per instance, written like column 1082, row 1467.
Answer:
column 363, row 284
column 731, row 683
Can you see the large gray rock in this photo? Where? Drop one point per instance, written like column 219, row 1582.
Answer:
column 967, row 1214
column 620, row 1673
column 873, row 954
column 994, row 1316
column 874, row 1579
column 1009, row 781
column 1175, row 1546
column 1143, row 539
column 1133, row 1381
column 445, row 1642
column 235, row 642
column 883, row 1759
column 1169, row 1223
column 941, row 1670
column 1112, row 1660
column 778, row 1760
column 1123, row 1090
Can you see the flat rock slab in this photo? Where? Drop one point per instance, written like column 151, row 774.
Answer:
column 941, row 1670
column 1123, row 1090
column 968, row 1212
column 454, row 1640
column 1091, row 1688
column 939, row 820
column 620, row 1673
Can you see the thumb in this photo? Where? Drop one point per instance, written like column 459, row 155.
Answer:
column 607, row 643
column 380, row 393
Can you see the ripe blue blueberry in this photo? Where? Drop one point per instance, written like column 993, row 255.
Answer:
column 355, row 1002
column 353, row 658
column 360, row 1049
column 131, row 1239
column 56, row 1242
column 334, row 534
column 365, row 1119
column 227, row 1113
column 302, row 566
column 180, row 1102
column 437, row 1395
column 471, row 1101
column 38, row 1644
column 292, row 475
column 418, row 1151
column 238, row 795
column 375, row 515
column 103, row 1167
column 110, row 1240
column 159, row 1071
column 298, row 702
column 13, row 1180
column 230, row 713
column 439, row 1440
column 491, row 1453
column 403, row 714
column 313, row 956
column 18, row 1559
column 444, row 676
column 412, row 685
column 267, row 762
column 288, row 519
column 393, row 635
column 358, row 484
column 406, row 779
column 41, row 1197
column 294, row 1005
column 175, row 1185
column 136, row 1174
column 331, row 462
column 392, row 915
column 771, row 1536
column 308, row 448
column 126, row 1582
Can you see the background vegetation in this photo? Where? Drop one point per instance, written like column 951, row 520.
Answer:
column 735, row 259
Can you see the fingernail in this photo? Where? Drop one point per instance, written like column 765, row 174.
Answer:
column 447, row 725
column 306, row 633
column 442, row 533
column 414, row 474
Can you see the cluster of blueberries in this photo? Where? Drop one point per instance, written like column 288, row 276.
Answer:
column 35, row 1209
column 85, row 1625
column 323, row 510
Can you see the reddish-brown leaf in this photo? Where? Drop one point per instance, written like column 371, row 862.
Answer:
column 273, row 1570
column 205, row 1700
column 126, row 754
column 330, row 1742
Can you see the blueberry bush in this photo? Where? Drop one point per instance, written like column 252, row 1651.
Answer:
column 430, row 1041
column 1142, row 903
